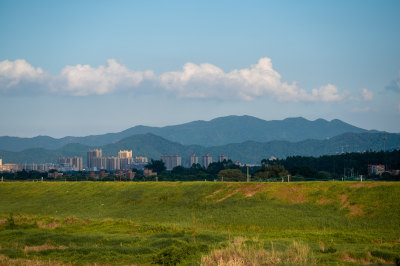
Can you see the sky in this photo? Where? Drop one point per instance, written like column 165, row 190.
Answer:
column 76, row 68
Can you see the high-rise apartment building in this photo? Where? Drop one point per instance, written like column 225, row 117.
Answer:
column 222, row 158
column 193, row 159
column 74, row 163
column 171, row 161
column 207, row 160
column 125, row 159
column 92, row 159
column 101, row 163
column 141, row 159
column 112, row 163
column 125, row 154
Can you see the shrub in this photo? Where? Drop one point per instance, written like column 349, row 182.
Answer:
column 10, row 222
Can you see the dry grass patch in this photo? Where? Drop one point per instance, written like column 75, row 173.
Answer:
column 354, row 210
column 291, row 193
column 343, row 201
column 239, row 254
column 42, row 247
column 218, row 191
column 367, row 184
column 4, row 260
column 251, row 190
column 49, row 225
column 72, row 220
column 323, row 201
column 248, row 190
column 368, row 259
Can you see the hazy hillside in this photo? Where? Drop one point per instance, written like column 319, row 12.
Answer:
column 219, row 131
column 154, row 146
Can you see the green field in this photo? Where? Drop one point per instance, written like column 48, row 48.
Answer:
column 190, row 223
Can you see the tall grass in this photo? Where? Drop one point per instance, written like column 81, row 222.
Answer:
column 175, row 222
column 240, row 253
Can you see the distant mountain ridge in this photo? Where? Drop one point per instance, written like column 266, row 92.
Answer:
column 216, row 132
column 154, row 146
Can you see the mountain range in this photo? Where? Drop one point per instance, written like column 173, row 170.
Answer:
column 244, row 138
column 154, row 146
column 216, row 132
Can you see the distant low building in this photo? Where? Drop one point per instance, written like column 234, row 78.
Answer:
column 149, row 172
column 91, row 174
column 376, row 169
column 238, row 163
column 394, row 172
column 103, row 174
column 129, row 174
column 54, row 174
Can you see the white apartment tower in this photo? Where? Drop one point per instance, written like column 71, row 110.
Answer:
column 193, row 159
column 125, row 159
column 171, row 161
column 222, row 158
column 207, row 160
column 92, row 158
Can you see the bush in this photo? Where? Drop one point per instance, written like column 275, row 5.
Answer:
column 173, row 255
column 10, row 222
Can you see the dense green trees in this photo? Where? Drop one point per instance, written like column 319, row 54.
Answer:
column 334, row 166
column 157, row 166
column 231, row 175
column 272, row 171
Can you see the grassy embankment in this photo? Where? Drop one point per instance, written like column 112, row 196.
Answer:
column 145, row 223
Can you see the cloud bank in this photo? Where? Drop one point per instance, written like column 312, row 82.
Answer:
column 205, row 81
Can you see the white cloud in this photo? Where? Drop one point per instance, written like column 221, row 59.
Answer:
column 367, row 94
column 209, row 81
column 193, row 81
column 13, row 74
column 81, row 80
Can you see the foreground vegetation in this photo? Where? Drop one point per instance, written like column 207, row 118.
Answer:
column 199, row 223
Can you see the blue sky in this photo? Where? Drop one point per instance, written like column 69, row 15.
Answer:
column 90, row 67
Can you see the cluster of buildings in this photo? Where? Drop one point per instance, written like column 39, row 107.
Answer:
column 14, row 167
column 172, row 161
column 124, row 161
column 95, row 162
column 70, row 164
column 379, row 169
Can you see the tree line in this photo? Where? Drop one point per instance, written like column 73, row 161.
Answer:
column 296, row 168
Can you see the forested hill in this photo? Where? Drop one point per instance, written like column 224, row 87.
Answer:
column 154, row 146
column 217, row 132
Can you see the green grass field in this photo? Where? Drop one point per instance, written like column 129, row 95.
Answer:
column 193, row 223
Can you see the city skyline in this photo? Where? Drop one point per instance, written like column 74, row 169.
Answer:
column 71, row 68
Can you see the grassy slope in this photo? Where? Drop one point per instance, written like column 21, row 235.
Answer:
column 353, row 219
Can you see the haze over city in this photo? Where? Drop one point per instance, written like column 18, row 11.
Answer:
column 90, row 67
